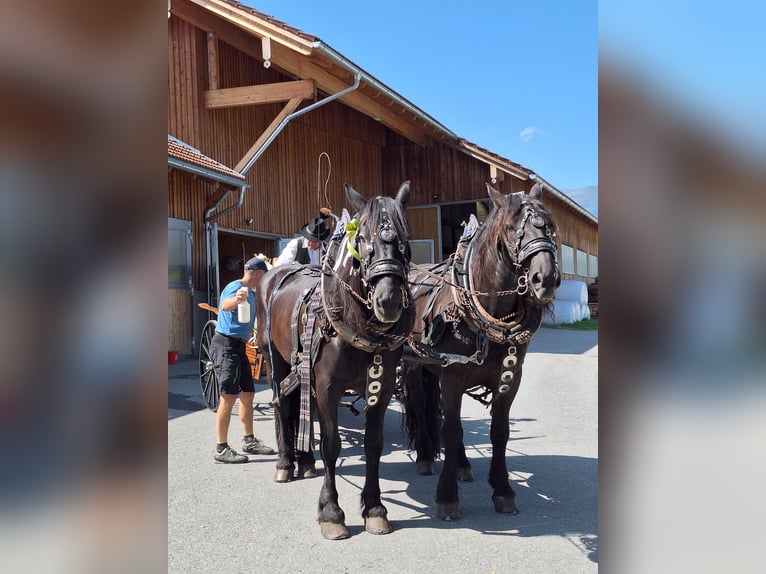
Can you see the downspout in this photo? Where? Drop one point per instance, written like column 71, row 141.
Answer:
column 284, row 122
column 209, row 217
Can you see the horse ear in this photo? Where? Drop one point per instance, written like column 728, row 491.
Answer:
column 403, row 195
column 496, row 197
column 356, row 200
column 536, row 192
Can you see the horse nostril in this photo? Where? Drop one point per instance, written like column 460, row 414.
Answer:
column 537, row 278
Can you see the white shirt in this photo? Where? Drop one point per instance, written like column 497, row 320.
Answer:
column 288, row 253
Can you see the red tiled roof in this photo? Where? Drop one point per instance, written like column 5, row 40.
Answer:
column 182, row 151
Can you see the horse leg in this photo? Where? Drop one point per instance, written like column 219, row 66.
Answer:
column 332, row 519
column 503, row 496
column 284, row 413
column 464, row 472
column 447, row 500
column 306, row 461
column 282, row 418
column 374, row 513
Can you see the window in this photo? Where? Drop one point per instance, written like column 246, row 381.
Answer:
column 593, row 266
column 422, row 251
column 582, row 263
column 179, row 253
column 567, row 259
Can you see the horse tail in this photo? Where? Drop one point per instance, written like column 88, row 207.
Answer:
column 422, row 412
column 433, row 412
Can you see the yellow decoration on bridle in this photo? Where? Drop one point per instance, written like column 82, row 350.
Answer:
column 352, row 227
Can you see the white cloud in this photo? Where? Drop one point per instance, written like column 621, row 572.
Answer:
column 528, row 133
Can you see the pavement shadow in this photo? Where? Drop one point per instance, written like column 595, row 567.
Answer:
column 179, row 405
column 557, row 494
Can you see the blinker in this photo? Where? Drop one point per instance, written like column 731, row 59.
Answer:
column 387, row 234
column 537, row 221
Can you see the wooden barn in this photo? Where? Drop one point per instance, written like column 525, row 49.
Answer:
column 265, row 125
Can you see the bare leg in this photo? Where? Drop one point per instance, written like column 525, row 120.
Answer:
column 246, row 412
column 223, row 417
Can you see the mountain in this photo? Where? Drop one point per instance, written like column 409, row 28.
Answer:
column 586, row 197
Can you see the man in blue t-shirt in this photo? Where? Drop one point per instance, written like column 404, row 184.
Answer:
column 232, row 368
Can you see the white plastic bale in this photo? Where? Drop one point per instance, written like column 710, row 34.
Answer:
column 571, row 290
column 563, row 312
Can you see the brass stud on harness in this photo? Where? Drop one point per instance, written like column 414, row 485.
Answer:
column 510, row 361
column 374, row 387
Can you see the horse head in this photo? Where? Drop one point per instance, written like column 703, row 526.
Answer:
column 381, row 242
column 529, row 240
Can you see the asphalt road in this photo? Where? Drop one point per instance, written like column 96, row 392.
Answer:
column 234, row 518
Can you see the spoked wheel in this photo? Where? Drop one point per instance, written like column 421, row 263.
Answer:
column 207, row 376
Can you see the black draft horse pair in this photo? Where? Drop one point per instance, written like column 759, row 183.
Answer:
column 339, row 327
column 476, row 314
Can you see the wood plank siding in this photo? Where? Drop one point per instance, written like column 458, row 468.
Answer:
column 285, row 187
column 179, row 307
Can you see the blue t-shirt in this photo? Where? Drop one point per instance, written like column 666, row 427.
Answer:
column 227, row 320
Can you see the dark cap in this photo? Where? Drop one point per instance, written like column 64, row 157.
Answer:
column 255, row 263
column 315, row 230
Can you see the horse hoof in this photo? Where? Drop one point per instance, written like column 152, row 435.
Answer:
column 449, row 511
column 283, row 475
column 334, row 531
column 465, row 474
column 377, row 525
column 425, row 467
column 505, row 504
column 309, row 472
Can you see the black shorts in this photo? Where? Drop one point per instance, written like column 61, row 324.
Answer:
column 231, row 365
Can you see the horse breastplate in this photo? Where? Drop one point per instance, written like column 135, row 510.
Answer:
column 471, row 310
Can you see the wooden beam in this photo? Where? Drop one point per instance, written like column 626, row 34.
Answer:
column 289, row 108
column 212, row 60
column 300, row 66
column 260, row 94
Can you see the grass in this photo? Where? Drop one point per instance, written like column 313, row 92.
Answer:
column 584, row 325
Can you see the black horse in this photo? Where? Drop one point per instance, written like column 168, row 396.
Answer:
column 476, row 314
column 335, row 328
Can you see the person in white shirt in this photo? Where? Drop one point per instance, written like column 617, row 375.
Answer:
column 309, row 247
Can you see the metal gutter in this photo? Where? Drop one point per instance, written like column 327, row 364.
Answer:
column 205, row 172
column 570, row 202
column 325, row 50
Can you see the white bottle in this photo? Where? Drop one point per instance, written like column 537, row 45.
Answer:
column 243, row 312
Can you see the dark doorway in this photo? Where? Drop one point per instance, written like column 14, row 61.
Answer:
column 454, row 216
column 235, row 248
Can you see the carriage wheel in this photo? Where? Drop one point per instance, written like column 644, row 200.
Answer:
column 207, row 376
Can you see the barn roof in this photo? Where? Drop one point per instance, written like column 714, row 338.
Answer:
column 303, row 55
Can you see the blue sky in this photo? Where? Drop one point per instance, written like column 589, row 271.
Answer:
column 516, row 77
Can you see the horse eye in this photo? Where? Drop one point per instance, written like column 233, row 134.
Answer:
column 387, row 235
column 537, row 221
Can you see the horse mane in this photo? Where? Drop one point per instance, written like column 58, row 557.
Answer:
column 343, row 304
column 381, row 208
column 490, row 239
